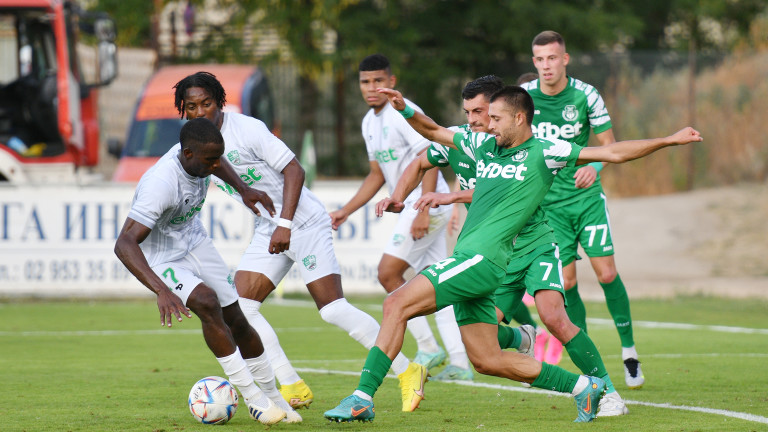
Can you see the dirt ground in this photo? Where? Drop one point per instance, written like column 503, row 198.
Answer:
column 712, row 242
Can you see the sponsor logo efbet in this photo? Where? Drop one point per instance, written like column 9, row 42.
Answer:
column 547, row 130
column 493, row 170
column 188, row 215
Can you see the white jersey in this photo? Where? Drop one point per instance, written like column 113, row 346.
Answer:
column 168, row 201
column 259, row 158
column 394, row 144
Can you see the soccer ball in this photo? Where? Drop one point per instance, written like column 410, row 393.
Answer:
column 213, row 400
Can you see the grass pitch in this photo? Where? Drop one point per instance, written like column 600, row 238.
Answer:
column 110, row 366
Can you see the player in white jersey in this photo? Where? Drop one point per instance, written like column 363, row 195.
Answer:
column 301, row 233
column 419, row 237
column 163, row 243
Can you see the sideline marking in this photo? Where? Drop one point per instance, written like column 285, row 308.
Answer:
column 739, row 415
column 593, row 321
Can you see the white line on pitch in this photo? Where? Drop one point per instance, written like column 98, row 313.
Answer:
column 593, row 321
column 726, row 413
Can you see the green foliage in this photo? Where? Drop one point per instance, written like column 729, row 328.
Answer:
column 132, row 19
column 109, row 366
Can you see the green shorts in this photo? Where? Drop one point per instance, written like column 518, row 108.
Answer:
column 467, row 281
column 585, row 222
column 539, row 269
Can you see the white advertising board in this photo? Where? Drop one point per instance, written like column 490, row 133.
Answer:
column 59, row 240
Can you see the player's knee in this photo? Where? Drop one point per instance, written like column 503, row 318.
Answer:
column 606, row 275
column 394, row 308
column 239, row 325
column 204, row 303
column 569, row 282
column 387, row 277
column 559, row 325
column 487, row 365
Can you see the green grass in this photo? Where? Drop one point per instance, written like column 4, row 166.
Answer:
column 109, row 366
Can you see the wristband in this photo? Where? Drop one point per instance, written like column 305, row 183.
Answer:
column 285, row 223
column 598, row 166
column 407, row 112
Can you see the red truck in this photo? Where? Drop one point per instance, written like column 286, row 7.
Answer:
column 48, row 101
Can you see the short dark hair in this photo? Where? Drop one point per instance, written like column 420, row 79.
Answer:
column 518, row 99
column 486, row 86
column 526, row 77
column 375, row 62
column 547, row 37
column 198, row 132
column 204, row 80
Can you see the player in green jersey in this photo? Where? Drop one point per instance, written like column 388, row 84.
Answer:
column 514, row 172
column 547, row 348
column 567, row 108
column 475, row 103
column 535, row 264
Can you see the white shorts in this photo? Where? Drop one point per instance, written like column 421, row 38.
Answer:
column 202, row 264
column 422, row 252
column 311, row 248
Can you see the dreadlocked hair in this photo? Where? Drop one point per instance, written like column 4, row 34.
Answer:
column 204, row 80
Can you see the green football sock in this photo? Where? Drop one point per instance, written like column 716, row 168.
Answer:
column 618, row 304
column 575, row 309
column 375, row 369
column 586, row 357
column 509, row 337
column 555, row 378
column 523, row 315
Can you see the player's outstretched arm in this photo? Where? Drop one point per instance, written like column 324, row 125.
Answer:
column 372, row 183
column 435, row 199
column 420, row 122
column 624, row 151
column 128, row 251
column 410, row 179
column 586, row 175
column 250, row 196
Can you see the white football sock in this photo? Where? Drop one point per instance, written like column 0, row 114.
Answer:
column 425, row 340
column 581, row 385
column 363, row 395
column 361, row 326
column 451, row 336
column 284, row 371
column 628, row 353
column 265, row 378
column 237, row 371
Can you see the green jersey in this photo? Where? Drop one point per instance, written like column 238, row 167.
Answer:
column 463, row 165
column 568, row 115
column 509, row 187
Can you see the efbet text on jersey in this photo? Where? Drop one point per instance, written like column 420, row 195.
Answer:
column 493, row 170
column 547, row 130
column 188, row 215
column 388, row 155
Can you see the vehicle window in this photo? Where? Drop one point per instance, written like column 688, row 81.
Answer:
column 152, row 138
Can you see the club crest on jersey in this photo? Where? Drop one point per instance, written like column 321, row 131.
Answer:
column 234, row 157
column 570, row 113
column 397, row 240
column 310, row 262
column 520, row 156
